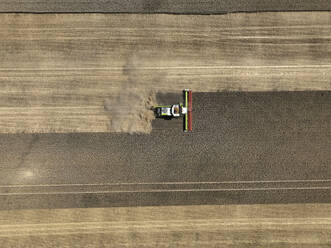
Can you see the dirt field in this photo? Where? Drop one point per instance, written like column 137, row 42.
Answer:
column 99, row 73
column 305, row 225
column 160, row 6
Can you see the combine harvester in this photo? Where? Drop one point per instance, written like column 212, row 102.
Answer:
column 177, row 110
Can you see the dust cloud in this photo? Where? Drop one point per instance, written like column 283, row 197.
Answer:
column 131, row 111
column 131, row 108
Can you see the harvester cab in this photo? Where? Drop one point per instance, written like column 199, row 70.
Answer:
column 178, row 110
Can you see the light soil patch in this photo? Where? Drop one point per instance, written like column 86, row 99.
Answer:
column 100, row 73
column 290, row 225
